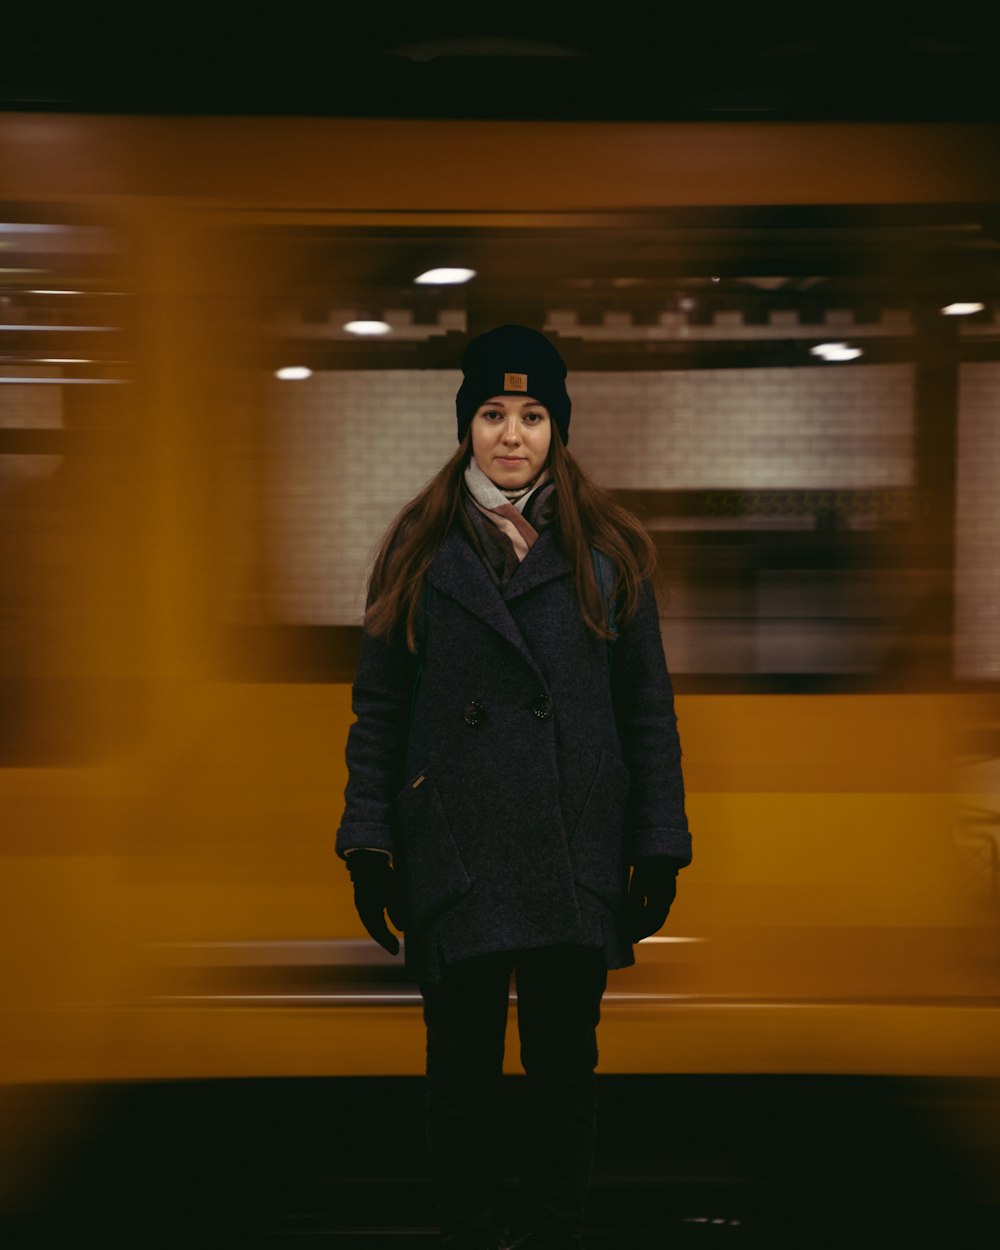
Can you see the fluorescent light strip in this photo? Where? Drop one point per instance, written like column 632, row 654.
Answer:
column 63, row 381
column 15, row 329
column 37, row 227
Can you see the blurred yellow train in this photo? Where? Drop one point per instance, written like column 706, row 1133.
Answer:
column 172, row 766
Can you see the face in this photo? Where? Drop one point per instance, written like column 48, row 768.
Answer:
column 510, row 439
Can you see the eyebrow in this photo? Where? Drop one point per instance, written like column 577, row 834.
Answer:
column 525, row 403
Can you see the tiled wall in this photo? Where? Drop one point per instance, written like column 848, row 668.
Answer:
column 354, row 447
column 37, row 404
column 837, row 428
column 977, row 580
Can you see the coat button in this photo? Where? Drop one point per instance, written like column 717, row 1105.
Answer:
column 542, row 707
column 473, row 713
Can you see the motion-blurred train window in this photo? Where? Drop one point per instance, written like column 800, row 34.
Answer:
column 65, row 637
column 801, row 403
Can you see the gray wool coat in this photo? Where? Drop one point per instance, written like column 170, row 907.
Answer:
column 520, row 778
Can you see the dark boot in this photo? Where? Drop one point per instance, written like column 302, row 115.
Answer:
column 549, row 1241
column 466, row 1168
column 466, row 1015
column 471, row 1241
column 557, row 1154
column 558, row 994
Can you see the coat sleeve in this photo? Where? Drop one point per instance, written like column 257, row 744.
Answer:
column 656, row 822
column 376, row 745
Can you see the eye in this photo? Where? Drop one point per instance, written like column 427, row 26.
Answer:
column 491, row 414
column 534, row 418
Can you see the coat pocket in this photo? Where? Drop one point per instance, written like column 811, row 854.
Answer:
column 433, row 871
column 598, row 843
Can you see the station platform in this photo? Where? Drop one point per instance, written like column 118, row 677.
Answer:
column 683, row 1161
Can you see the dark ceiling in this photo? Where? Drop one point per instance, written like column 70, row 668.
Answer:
column 517, row 61
column 806, row 266
column 513, row 60
column 810, row 267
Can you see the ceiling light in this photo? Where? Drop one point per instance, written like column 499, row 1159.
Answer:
column 368, row 327
column 293, row 373
column 445, row 277
column 38, row 291
column 962, row 310
column 835, row 351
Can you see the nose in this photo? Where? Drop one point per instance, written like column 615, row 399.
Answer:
column 511, row 434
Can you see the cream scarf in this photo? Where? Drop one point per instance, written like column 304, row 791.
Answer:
column 505, row 507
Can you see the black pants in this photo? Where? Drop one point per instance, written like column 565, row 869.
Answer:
column 559, row 991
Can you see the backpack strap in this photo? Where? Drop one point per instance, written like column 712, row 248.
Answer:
column 604, row 571
column 422, row 619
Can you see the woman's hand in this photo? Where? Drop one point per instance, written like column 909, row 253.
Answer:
column 376, row 891
column 651, row 891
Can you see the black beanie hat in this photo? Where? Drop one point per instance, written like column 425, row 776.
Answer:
column 513, row 360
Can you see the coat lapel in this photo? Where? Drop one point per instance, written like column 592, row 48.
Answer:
column 543, row 563
column 458, row 572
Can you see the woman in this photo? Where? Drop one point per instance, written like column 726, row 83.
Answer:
column 515, row 752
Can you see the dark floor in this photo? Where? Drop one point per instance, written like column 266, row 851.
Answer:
column 712, row 1161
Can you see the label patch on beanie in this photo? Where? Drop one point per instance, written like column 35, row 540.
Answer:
column 515, row 382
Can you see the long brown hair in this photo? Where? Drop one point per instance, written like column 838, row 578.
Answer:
column 586, row 517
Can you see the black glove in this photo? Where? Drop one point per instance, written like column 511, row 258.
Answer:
column 376, row 891
column 651, row 890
